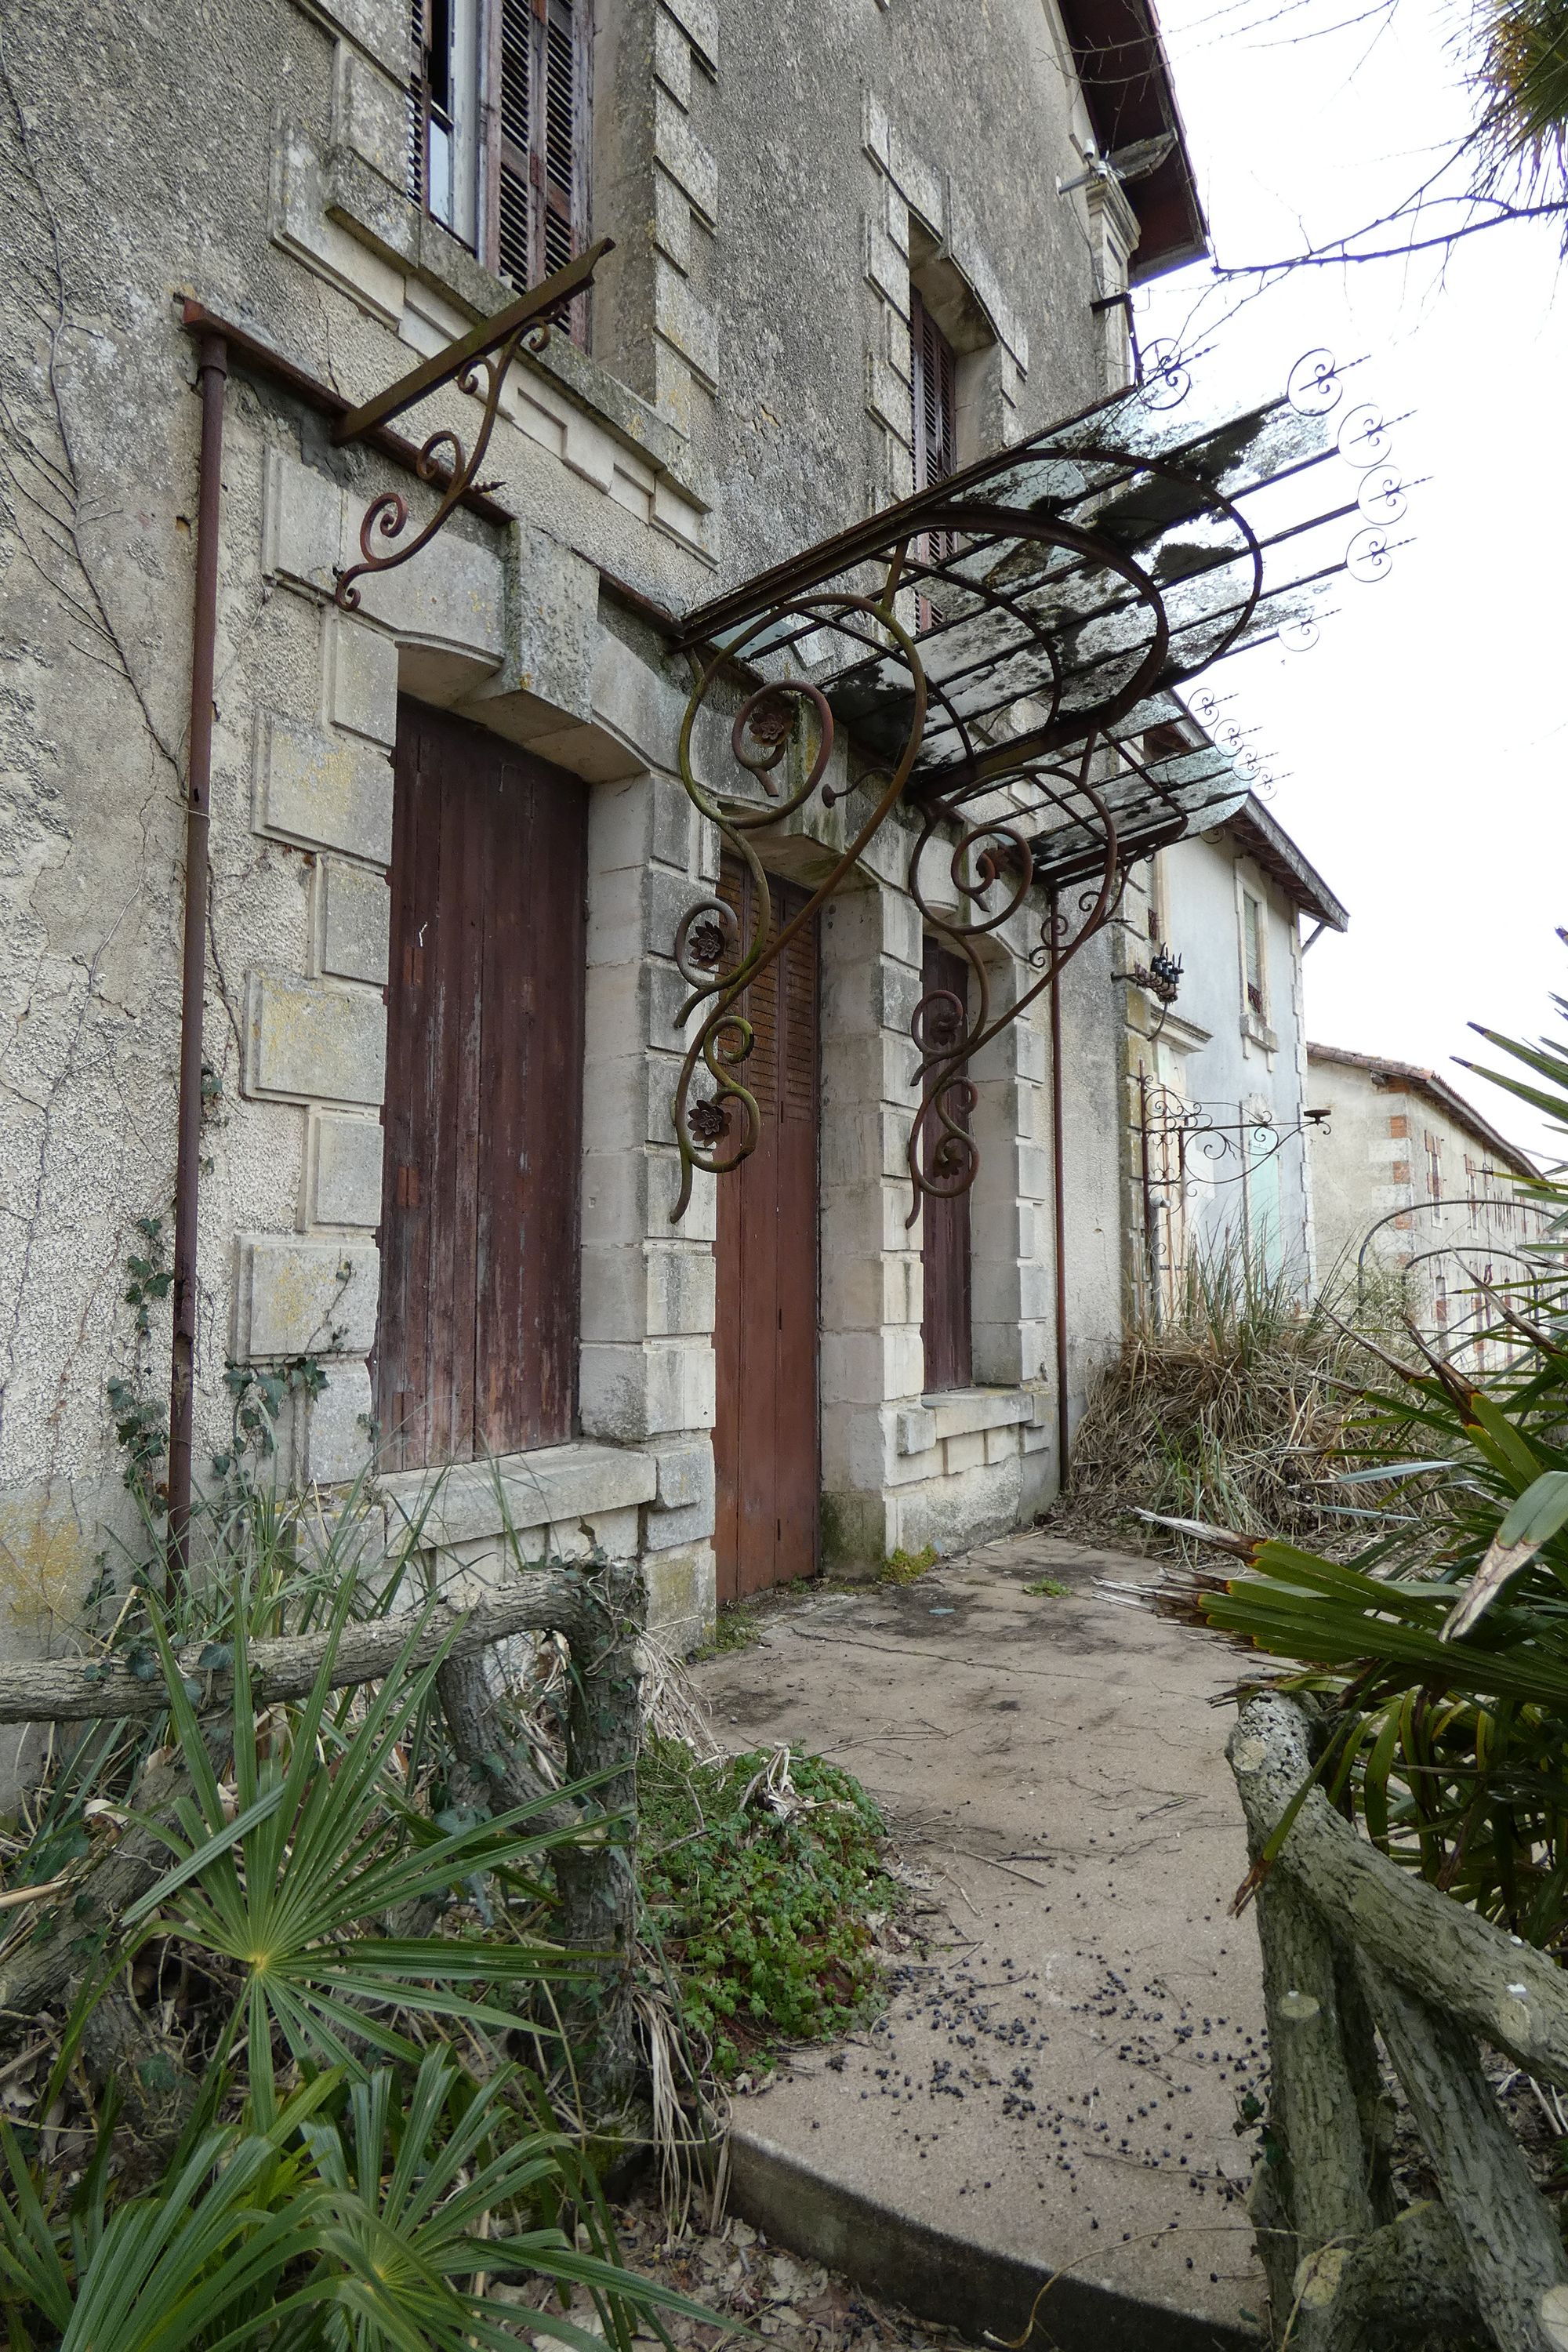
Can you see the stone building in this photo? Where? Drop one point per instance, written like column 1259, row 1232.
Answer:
column 430, row 1196
column 1218, row 1078
column 1410, row 1179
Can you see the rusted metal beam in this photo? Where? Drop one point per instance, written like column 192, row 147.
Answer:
column 541, row 303
column 262, row 358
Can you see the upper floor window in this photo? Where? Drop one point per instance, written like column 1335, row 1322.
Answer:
column 498, row 148
column 935, row 378
column 1254, row 971
column 1433, row 1168
column 934, row 381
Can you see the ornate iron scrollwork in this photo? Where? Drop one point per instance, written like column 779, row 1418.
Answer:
column 443, row 459
column 761, row 737
column 1009, row 685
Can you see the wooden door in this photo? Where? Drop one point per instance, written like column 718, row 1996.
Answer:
column 766, row 1440
column 477, row 1345
column 944, row 1220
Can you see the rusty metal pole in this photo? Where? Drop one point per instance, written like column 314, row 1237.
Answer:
column 212, row 378
column 1058, row 1209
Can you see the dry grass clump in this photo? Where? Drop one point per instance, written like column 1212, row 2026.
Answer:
column 1236, row 1413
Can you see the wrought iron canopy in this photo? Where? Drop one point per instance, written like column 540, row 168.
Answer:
column 1005, row 652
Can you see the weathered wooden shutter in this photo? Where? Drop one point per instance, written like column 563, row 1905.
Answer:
column 541, row 139
column 944, row 1227
column 477, row 1344
column 935, row 384
column 936, row 397
column 766, row 1434
column 514, row 130
column 419, row 101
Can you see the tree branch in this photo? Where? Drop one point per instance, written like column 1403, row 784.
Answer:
column 1338, row 257
column 71, row 1690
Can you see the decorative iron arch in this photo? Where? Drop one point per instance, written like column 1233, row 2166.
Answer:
column 995, row 655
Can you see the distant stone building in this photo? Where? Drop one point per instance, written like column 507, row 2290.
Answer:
column 1408, row 1178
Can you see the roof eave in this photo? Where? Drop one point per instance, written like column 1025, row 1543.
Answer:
column 1385, row 1073
column 1268, row 841
column 1125, row 76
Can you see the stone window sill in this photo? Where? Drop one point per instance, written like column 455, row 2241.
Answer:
column 553, row 1486
column 1259, row 1032
column 382, row 218
column 966, row 1412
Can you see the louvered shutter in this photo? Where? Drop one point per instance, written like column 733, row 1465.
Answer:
column 934, row 373
column 514, row 240
column 418, row 102
column 541, row 139
column 935, row 396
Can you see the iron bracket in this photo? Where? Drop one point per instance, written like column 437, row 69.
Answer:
column 443, row 459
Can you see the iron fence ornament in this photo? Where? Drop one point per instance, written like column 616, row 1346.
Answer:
column 1004, row 683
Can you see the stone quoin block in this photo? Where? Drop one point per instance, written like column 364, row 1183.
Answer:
column 301, row 524
column 370, row 113
column 305, row 1297
column 305, row 1039
column 685, row 1474
column 338, row 1426
column 680, row 154
column 343, row 1161
column 355, row 922
column 672, row 59
column 361, row 668
column 672, row 222
column 379, row 27
column 682, row 1596
column 699, row 19
column 685, row 322
column 324, row 792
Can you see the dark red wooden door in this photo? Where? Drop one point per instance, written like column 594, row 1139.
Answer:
column 477, row 1347
column 944, row 1224
column 766, row 1439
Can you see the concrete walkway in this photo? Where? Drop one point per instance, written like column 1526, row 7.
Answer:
column 1056, row 2087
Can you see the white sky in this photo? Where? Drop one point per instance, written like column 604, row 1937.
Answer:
column 1422, row 745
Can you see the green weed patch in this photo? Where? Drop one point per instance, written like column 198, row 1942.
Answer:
column 762, row 1875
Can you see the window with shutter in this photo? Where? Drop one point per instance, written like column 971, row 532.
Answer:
column 934, row 373
column 542, row 141
column 531, row 162
column 936, row 397
column 1252, row 953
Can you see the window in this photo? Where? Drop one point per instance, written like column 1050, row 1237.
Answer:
column 935, row 384
column 1434, row 1169
column 498, row 149
column 1253, row 970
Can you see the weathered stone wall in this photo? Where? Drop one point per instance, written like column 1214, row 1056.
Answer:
column 1391, row 1157
column 771, row 182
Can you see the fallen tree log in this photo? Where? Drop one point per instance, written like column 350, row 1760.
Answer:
column 83, row 1690
column 1501, row 1990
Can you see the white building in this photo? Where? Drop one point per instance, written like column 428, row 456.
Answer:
column 1218, row 1075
